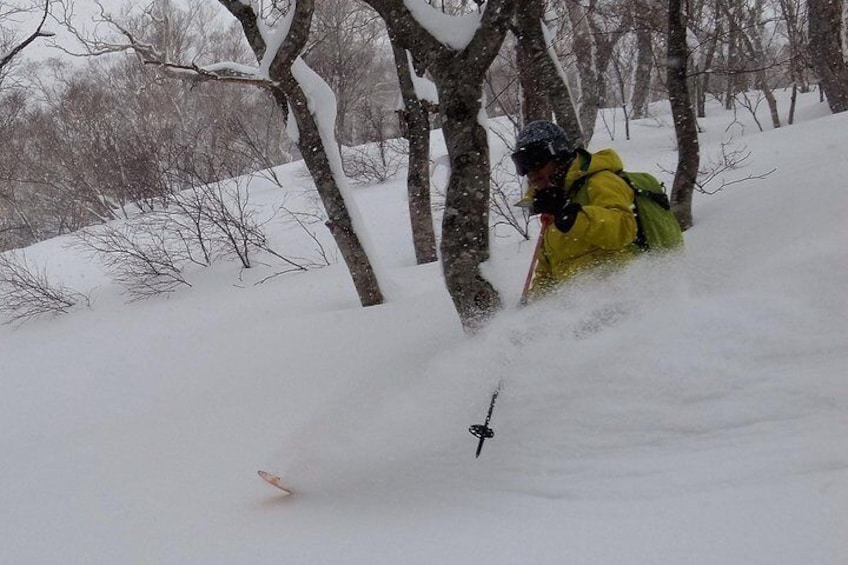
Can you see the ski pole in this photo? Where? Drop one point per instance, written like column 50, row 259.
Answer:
column 484, row 432
column 523, row 301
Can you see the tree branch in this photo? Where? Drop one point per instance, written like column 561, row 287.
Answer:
column 32, row 37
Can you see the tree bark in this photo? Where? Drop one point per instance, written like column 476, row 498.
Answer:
column 543, row 85
column 288, row 93
column 416, row 129
column 825, row 47
column 339, row 221
column 534, row 99
column 685, row 122
column 593, row 47
column 459, row 75
column 750, row 40
column 644, row 65
column 586, row 69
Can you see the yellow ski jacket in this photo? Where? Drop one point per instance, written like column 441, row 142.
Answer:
column 605, row 229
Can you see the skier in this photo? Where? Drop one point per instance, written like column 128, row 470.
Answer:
column 586, row 208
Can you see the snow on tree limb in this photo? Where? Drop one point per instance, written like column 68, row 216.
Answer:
column 424, row 87
column 454, row 31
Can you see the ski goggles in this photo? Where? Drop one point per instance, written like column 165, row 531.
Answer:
column 533, row 156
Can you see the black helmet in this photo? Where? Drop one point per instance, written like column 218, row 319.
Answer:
column 539, row 143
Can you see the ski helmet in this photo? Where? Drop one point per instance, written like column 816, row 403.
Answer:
column 539, row 143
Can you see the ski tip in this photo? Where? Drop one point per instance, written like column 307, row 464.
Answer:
column 274, row 480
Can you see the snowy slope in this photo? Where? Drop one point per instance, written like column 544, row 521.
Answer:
column 684, row 411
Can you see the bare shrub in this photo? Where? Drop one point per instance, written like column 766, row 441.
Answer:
column 26, row 292
column 225, row 224
column 137, row 256
column 377, row 162
column 505, row 192
column 730, row 157
column 148, row 256
column 385, row 157
column 714, row 171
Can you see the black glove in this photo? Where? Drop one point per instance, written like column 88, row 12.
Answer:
column 553, row 201
column 548, row 201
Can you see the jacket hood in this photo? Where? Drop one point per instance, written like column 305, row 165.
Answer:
column 590, row 163
column 584, row 164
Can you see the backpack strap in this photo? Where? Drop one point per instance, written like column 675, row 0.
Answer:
column 587, row 158
column 659, row 198
column 587, row 161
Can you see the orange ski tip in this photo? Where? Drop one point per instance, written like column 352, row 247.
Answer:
column 274, row 480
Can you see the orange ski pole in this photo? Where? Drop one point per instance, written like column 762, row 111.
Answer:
column 545, row 222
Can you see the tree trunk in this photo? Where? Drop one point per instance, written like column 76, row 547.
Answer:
column 685, row 122
column 586, row 65
column 703, row 81
column 750, row 40
column 732, row 86
column 339, row 221
column 534, row 99
column 535, row 104
column 416, row 128
column 465, row 226
column 593, row 46
column 289, row 94
column 644, row 65
column 459, row 75
column 755, row 45
column 542, row 79
column 825, row 31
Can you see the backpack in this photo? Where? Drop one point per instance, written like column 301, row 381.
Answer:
column 658, row 228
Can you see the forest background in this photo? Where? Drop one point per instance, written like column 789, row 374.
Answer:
column 148, row 108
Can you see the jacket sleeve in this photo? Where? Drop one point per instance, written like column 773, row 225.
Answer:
column 607, row 220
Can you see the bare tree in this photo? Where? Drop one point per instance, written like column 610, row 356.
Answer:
column 745, row 25
column 459, row 71
column 295, row 88
column 646, row 20
column 415, row 126
column 543, row 82
column 795, row 30
column 594, row 28
column 826, row 51
column 346, row 48
column 9, row 47
column 685, row 122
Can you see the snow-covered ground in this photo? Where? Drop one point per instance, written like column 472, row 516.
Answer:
column 692, row 410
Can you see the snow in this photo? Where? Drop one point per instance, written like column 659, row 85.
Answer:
column 425, row 89
column 454, row 31
column 686, row 410
column 322, row 106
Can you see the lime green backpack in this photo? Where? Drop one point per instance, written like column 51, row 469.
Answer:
column 658, row 228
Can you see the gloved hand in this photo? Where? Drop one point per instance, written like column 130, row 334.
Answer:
column 548, row 201
column 553, row 201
